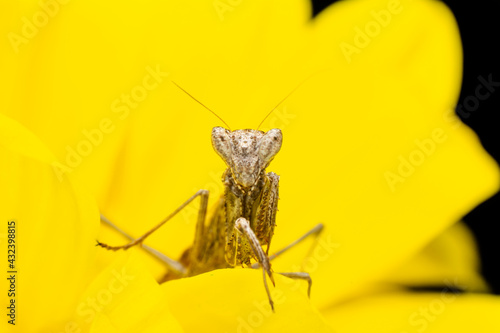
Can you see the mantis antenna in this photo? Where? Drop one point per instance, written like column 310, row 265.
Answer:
column 290, row 93
column 215, row 114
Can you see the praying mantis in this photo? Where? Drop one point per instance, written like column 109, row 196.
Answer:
column 244, row 219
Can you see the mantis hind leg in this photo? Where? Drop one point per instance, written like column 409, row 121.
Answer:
column 314, row 232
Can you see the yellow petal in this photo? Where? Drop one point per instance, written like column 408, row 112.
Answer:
column 450, row 258
column 124, row 297
column 414, row 312
column 235, row 300
column 55, row 227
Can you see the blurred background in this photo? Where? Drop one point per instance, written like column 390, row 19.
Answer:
column 478, row 23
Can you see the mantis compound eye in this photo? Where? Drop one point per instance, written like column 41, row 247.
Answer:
column 221, row 143
column 270, row 145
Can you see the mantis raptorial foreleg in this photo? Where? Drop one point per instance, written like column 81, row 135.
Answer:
column 263, row 260
column 316, row 231
column 243, row 227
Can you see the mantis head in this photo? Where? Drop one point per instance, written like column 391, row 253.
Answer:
column 247, row 153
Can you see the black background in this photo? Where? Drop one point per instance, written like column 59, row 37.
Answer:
column 479, row 31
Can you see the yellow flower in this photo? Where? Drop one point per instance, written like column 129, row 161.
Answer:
column 371, row 149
